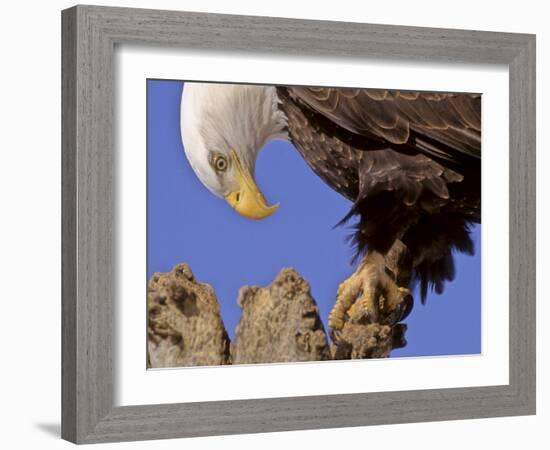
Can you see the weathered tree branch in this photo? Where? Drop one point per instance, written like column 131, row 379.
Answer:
column 279, row 323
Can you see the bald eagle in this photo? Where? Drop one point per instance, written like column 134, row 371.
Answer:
column 409, row 161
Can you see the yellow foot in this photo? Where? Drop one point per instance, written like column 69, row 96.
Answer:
column 379, row 299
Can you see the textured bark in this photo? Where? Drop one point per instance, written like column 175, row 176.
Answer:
column 279, row 323
column 360, row 340
column 184, row 323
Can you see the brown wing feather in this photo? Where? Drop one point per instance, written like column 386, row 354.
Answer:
column 451, row 120
column 360, row 167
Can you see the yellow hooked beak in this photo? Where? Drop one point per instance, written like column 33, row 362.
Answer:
column 247, row 200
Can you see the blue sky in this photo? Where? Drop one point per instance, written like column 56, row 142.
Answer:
column 186, row 223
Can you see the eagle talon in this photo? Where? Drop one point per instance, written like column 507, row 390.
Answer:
column 370, row 295
column 405, row 307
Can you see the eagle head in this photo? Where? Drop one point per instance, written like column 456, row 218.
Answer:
column 224, row 127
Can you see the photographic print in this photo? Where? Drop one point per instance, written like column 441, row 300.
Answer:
column 297, row 224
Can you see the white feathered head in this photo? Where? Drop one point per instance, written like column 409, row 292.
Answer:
column 224, row 126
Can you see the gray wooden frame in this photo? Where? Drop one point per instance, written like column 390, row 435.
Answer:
column 89, row 36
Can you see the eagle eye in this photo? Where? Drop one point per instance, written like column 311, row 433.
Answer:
column 220, row 163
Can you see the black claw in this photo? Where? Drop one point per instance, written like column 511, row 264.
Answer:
column 393, row 318
column 401, row 311
column 335, row 335
column 406, row 307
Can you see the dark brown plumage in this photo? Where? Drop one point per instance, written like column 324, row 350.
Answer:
column 410, row 162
